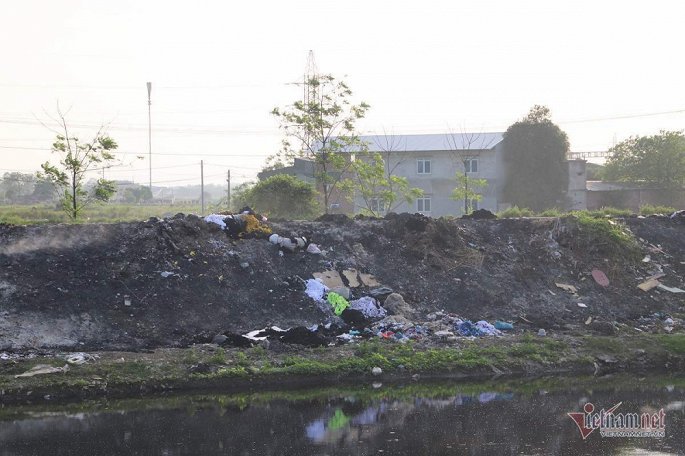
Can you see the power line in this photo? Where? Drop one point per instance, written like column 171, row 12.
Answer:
column 162, row 128
column 191, row 154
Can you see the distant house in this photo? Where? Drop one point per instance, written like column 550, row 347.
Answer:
column 431, row 162
column 301, row 168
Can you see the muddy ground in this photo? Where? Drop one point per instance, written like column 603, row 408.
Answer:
column 67, row 286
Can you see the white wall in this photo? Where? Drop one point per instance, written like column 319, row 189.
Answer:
column 439, row 184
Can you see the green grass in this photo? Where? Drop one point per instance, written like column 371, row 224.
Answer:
column 648, row 209
column 99, row 213
column 604, row 212
column 606, row 234
column 515, row 212
column 673, row 343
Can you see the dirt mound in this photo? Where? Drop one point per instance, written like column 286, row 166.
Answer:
column 173, row 281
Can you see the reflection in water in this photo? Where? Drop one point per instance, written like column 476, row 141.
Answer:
column 398, row 421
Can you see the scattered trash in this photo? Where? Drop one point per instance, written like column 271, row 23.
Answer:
column 649, row 284
column 480, row 328
column 338, row 302
column 127, row 301
column 396, row 305
column 647, row 259
column 313, row 248
column 42, row 369
column 166, row 274
column 542, row 332
column 670, row 289
column 240, row 225
column 567, row 287
column 316, row 290
column 354, row 318
column 581, row 305
column 80, row 358
column 381, row 291
column 329, row 278
column 292, row 244
column 503, row 325
column 588, row 321
column 369, row 280
column 600, row 278
column 376, row 371
column 342, row 291
column 303, row 336
column 369, row 307
column 351, row 276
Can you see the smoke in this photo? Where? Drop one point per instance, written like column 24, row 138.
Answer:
column 48, row 238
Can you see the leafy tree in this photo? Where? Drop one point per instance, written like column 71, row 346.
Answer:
column 324, row 128
column 240, row 195
column 379, row 189
column 280, row 196
column 43, row 190
column 594, row 171
column 14, row 186
column 77, row 158
column 137, row 194
column 467, row 189
column 657, row 160
column 535, row 157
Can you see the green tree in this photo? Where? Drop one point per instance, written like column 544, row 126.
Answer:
column 468, row 190
column 380, row 190
column 14, row 186
column 657, row 160
column 535, row 152
column 137, row 194
column 323, row 128
column 280, row 196
column 465, row 148
column 77, row 158
column 44, row 190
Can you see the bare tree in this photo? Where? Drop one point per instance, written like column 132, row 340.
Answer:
column 465, row 147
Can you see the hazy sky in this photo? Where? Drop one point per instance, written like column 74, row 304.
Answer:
column 219, row 67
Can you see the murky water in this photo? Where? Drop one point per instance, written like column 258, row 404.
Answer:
column 493, row 418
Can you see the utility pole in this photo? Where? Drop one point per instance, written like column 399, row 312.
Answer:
column 149, row 128
column 202, row 186
column 228, row 190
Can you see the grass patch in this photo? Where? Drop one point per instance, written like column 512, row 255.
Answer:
column 673, row 343
column 515, row 212
column 607, row 235
column 99, row 213
column 648, row 209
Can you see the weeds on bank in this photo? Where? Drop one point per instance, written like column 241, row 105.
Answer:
column 601, row 231
column 103, row 213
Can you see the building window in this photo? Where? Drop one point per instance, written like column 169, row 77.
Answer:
column 423, row 166
column 423, row 205
column 471, row 165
